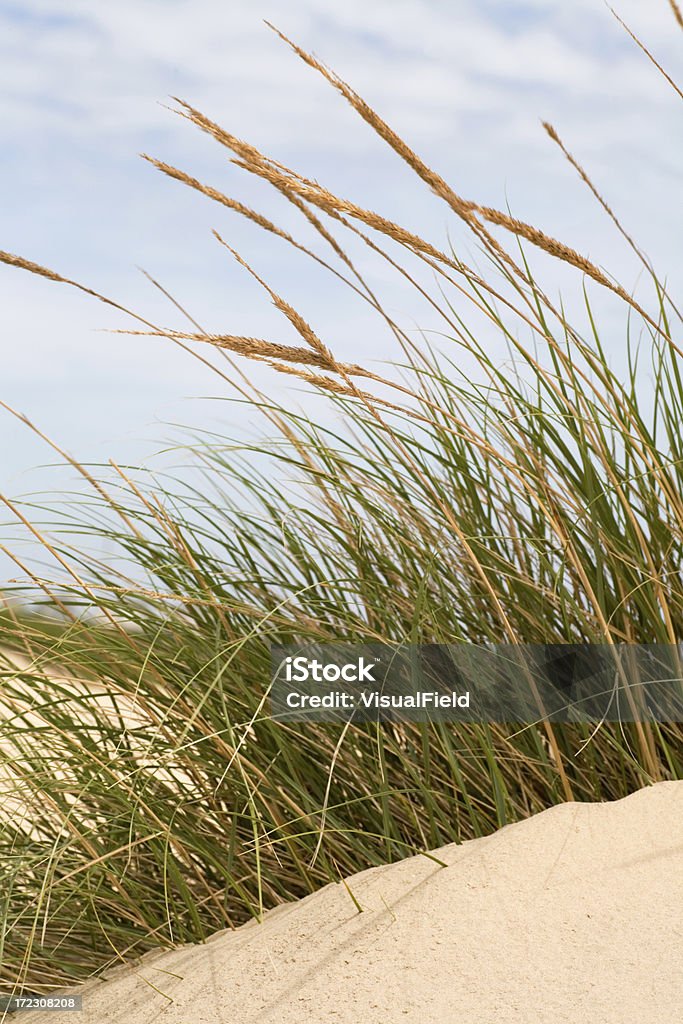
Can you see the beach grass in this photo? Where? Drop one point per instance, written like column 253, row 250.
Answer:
column 502, row 483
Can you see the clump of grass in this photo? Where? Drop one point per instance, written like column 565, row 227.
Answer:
column 146, row 797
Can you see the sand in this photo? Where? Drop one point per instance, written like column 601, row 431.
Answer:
column 28, row 706
column 573, row 915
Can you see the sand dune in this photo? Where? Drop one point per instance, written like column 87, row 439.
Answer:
column 27, row 708
column 574, row 915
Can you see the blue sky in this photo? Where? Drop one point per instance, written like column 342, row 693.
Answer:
column 83, row 87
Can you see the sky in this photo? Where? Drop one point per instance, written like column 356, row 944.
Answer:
column 85, row 88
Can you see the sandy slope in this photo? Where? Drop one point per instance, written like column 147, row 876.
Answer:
column 574, row 915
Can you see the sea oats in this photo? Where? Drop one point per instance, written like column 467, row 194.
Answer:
column 440, row 187
column 678, row 14
column 255, row 347
column 641, row 46
column 585, row 178
column 219, row 197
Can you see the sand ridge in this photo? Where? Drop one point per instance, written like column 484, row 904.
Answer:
column 571, row 916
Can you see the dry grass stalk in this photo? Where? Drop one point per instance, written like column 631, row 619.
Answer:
column 678, row 14
column 267, row 170
column 219, row 197
column 94, row 483
column 337, row 387
column 550, row 245
column 297, row 321
column 253, row 348
column 244, row 149
column 300, row 191
column 51, row 275
column 585, row 178
column 364, row 291
column 331, row 204
column 295, row 187
column 316, row 223
column 289, row 182
column 561, row 252
column 36, row 268
column 462, row 207
column 647, row 53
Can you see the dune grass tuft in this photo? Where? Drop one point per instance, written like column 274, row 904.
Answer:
column 507, row 485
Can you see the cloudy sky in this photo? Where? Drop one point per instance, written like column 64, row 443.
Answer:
column 83, row 88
